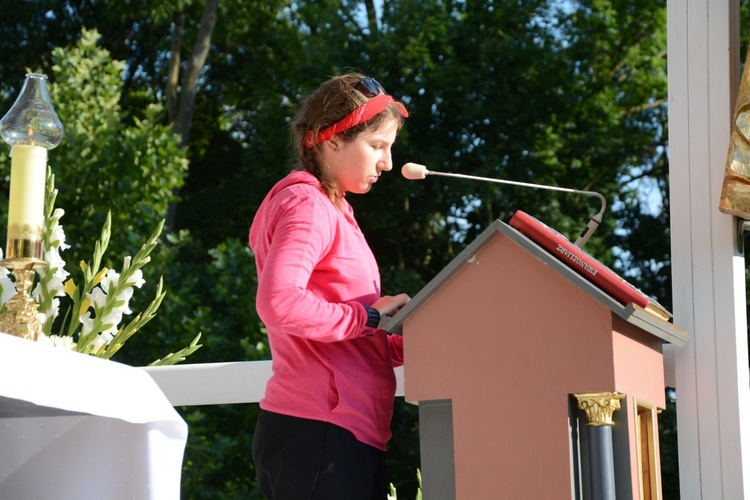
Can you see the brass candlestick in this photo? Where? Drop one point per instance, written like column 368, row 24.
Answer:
column 31, row 127
column 22, row 318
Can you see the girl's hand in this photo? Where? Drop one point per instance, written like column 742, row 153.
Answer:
column 389, row 305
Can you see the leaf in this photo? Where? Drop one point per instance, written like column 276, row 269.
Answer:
column 179, row 356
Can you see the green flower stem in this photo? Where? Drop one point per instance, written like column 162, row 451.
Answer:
column 90, row 271
column 46, row 275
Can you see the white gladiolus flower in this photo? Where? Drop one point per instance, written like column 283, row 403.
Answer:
column 88, row 323
column 113, row 318
column 111, row 278
column 58, row 234
column 98, row 298
column 54, row 309
column 101, row 340
column 63, row 341
column 137, row 279
column 125, row 296
column 53, row 258
column 7, row 288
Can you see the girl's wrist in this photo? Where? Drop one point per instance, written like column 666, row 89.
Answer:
column 373, row 317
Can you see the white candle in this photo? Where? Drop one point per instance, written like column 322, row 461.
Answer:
column 28, row 175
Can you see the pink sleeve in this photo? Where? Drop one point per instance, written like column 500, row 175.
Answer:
column 396, row 344
column 302, row 235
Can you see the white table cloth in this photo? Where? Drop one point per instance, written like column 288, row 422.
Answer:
column 74, row 426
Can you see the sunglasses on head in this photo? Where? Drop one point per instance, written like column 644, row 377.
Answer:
column 369, row 87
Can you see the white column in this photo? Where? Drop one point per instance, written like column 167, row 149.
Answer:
column 708, row 275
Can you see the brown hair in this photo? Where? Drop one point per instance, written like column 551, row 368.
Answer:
column 331, row 102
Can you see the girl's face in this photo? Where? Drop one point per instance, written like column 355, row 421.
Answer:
column 355, row 166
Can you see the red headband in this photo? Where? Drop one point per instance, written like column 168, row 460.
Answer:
column 360, row 115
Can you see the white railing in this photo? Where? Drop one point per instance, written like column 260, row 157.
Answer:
column 221, row 383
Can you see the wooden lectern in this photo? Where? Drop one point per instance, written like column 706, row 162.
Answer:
column 503, row 350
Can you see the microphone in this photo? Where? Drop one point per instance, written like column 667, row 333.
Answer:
column 415, row 171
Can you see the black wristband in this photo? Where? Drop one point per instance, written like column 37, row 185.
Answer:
column 373, row 317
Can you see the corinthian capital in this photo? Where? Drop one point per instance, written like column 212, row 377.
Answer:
column 599, row 406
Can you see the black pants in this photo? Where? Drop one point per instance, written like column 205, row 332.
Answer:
column 302, row 459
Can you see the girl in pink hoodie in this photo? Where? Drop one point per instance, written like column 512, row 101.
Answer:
column 325, row 418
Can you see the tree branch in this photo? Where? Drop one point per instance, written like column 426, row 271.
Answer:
column 178, row 23
column 196, row 62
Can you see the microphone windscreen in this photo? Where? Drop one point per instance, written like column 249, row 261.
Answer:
column 414, row 171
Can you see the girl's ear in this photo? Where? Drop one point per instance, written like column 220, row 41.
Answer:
column 334, row 144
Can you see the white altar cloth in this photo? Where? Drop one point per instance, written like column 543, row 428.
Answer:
column 73, row 426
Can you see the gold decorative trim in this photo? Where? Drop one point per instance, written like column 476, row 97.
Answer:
column 25, row 232
column 599, row 406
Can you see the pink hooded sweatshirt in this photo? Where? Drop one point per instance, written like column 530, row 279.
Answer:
column 316, row 274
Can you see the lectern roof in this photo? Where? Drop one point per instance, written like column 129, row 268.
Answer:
column 629, row 312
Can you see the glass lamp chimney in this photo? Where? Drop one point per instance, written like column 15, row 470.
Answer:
column 32, row 119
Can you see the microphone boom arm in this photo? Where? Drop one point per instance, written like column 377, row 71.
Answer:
column 590, row 227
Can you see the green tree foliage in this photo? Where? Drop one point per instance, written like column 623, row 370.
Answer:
column 109, row 160
column 561, row 93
